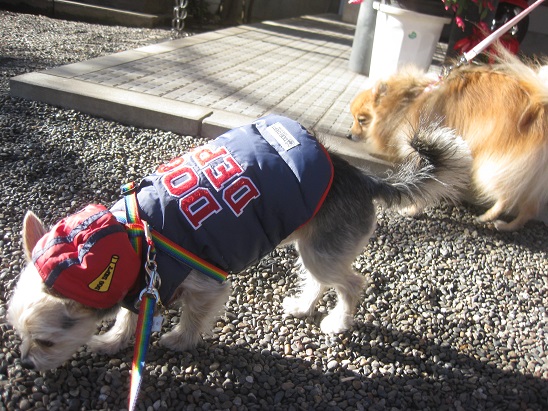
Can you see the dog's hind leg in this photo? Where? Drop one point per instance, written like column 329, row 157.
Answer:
column 335, row 271
column 329, row 243
column 202, row 300
column 327, row 252
column 494, row 212
column 119, row 335
column 526, row 212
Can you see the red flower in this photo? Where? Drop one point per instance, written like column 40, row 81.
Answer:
column 459, row 7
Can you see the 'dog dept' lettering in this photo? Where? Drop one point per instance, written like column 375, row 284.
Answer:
column 198, row 205
column 180, row 180
column 239, row 194
column 181, row 177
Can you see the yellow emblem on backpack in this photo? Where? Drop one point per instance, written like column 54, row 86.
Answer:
column 102, row 282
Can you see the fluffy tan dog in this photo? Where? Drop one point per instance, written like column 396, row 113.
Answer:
column 501, row 111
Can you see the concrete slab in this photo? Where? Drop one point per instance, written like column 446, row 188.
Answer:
column 126, row 106
column 220, row 122
column 207, row 83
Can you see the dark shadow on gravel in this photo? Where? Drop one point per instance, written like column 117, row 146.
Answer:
column 218, row 376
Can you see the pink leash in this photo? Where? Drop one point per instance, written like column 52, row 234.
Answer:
column 482, row 45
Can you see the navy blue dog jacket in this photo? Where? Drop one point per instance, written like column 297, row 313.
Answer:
column 233, row 200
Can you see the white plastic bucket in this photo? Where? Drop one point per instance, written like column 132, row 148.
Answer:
column 403, row 37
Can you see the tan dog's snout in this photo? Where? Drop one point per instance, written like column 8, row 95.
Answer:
column 27, row 364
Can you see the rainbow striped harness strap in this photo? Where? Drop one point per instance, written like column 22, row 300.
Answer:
column 136, row 233
column 223, row 206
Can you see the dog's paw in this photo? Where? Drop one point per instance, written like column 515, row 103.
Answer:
column 180, row 341
column 296, row 307
column 335, row 323
column 107, row 344
column 504, row 226
column 484, row 218
column 411, row 211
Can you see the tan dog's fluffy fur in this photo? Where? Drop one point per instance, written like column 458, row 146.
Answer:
column 501, row 112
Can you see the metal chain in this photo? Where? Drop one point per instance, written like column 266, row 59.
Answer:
column 179, row 16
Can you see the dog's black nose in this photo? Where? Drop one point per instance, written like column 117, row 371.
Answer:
column 349, row 136
column 28, row 364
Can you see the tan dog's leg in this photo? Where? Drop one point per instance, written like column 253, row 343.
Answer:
column 527, row 212
column 494, row 212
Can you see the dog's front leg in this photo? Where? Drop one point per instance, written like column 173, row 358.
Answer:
column 304, row 303
column 118, row 337
column 202, row 300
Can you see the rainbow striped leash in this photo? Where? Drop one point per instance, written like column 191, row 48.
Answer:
column 144, row 328
column 136, row 232
column 149, row 298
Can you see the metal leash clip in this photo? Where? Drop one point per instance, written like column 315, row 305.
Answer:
column 154, row 281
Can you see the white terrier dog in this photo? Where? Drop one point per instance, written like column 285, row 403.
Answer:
column 85, row 269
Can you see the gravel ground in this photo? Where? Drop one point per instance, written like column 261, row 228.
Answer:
column 455, row 317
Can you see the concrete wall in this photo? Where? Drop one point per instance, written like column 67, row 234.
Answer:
column 536, row 39
column 281, row 9
column 538, row 19
column 140, row 6
column 135, row 13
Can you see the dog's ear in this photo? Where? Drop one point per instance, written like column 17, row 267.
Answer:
column 379, row 91
column 33, row 230
column 532, row 116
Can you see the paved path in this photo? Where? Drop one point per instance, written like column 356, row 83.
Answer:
column 211, row 82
